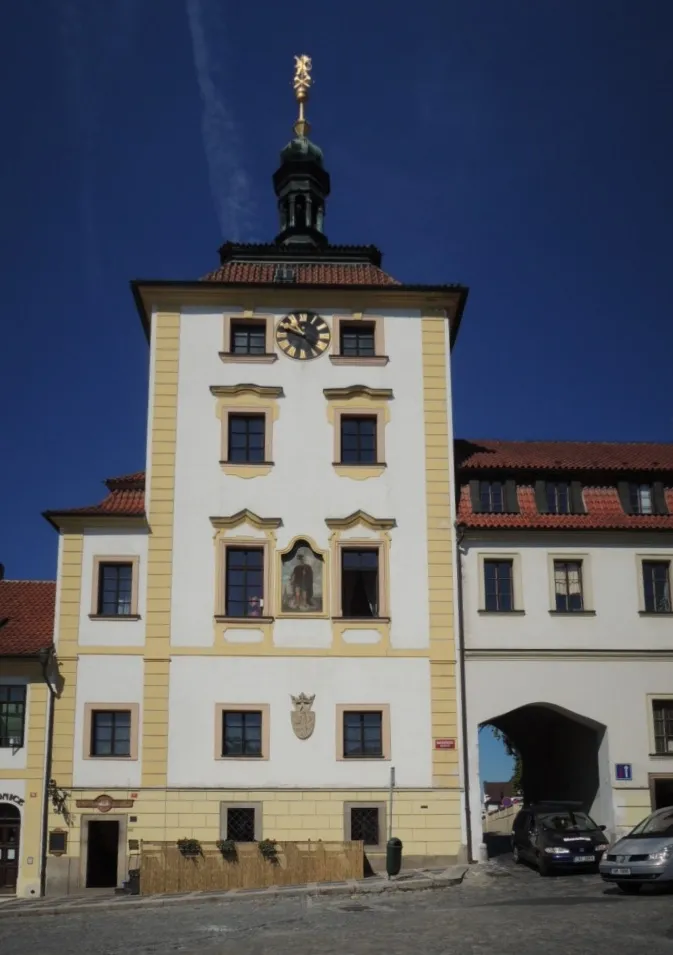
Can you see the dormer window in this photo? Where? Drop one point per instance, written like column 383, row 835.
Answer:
column 494, row 497
column 559, row 497
column 643, row 498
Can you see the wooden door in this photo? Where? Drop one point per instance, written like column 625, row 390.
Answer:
column 10, row 831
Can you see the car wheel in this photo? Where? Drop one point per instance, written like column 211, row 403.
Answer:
column 629, row 888
column 516, row 855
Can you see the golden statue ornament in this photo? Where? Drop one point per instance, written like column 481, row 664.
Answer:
column 303, row 720
column 302, row 84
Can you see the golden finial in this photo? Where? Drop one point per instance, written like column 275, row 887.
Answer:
column 302, row 83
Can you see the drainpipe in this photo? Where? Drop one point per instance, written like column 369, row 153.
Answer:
column 460, row 534
column 45, row 657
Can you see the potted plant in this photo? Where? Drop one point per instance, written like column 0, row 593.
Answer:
column 269, row 850
column 228, row 849
column 190, row 848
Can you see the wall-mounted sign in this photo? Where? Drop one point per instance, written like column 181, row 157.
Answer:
column 624, row 772
column 445, row 744
column 58, row 842
column 10, row 797
column 104, row 803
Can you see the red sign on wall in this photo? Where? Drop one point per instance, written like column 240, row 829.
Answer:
column 445, row 744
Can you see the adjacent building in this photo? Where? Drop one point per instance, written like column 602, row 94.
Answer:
column 565, row 553
column 257, row 631
column 26, row 684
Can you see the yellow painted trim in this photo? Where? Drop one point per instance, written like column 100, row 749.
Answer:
column 245, row 471
column 438, row 487
column 70, row 601
column 161, row 494
column 361, row 517
column 359, row 472
column 246, row 517
column 358, row 391
column 235, row 391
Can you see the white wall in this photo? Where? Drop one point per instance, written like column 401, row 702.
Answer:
column 302, row 488
column 121, row 632
column 199, row 683
column 614, row 574
column 16, row 758
column 107, row 679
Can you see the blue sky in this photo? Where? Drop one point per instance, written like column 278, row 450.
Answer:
column 520, row 148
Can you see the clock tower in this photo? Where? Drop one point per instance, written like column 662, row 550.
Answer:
column 289, row 539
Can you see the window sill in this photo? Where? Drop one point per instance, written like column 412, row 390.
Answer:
column 572, row 613
column 114, row 616
column 372, row 620
column 267, row 359
column 358, row 472
column 243, row 621
column 361, row 759
column 501, row 613
column 113, row 759
column 359, row 360
column 241, row 759
column 659, row 756
column 246, row 469
column 655, row 613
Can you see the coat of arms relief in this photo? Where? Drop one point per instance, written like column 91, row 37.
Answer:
column 303, row 719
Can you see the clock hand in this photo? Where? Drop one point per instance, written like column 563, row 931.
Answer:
column 294, row 330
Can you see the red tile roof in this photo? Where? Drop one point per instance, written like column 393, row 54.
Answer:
column 564, row 455
column 126, row 498
column 310, row 273
column 603, row 512
column 26, row 616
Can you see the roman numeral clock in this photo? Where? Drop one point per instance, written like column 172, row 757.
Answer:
column 303, row 335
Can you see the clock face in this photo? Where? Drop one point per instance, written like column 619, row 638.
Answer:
column 303, row 335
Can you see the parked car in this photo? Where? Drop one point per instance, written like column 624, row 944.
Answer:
column 557, row 835
column 644, row 856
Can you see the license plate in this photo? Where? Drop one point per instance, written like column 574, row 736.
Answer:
column 585, row 858
column 620, row 872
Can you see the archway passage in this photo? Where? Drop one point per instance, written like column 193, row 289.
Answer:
column 10, row 833
column 559, row 753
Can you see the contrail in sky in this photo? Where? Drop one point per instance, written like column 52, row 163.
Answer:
column 229, row 183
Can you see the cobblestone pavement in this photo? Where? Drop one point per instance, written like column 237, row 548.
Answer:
column 497, row 908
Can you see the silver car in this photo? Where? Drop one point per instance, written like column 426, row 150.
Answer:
column 643, row 857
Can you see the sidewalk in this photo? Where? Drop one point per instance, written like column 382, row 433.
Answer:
column 411, row 880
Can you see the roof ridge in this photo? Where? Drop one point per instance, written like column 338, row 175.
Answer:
column 558, row 441
column 18, row 580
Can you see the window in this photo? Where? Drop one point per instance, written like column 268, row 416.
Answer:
column 246, row 440
column 358, row 439
column 641, row 499
column 242, row 733
column 568, row 585
column 240, row 824
column 248, row 338
column 111, row 733
column 657, row 586
column 366, row 822
column 499, row 585
column 12, row 716
column 492, row 497
column 244, row 587
column 360, row 582
column 115, row 589
column 357, row 339
column 362, row 734
column 662, row 713
column 558, row 497
column 241, row 821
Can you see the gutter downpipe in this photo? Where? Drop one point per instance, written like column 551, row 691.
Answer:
column 460, row 534
column 45, row 660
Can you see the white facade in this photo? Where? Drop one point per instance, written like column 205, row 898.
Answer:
column 602, row 668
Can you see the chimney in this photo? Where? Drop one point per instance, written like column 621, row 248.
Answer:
column 2, row 571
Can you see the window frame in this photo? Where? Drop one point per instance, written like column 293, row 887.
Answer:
column 383, row 822
column 258, row 808
column 255, row 411
column 229, row 319
column 90, row 709
column 220, row 710
column 22, row 738
column 361, row 411
column 651, row 699
column 360, row 417
column 641, row 559
column 247, row 548
column 383, row 577
column 587, row 583
column 247, row 416
column 101, row 559
column 378, row 358
column 517, row 585
column 384, row 710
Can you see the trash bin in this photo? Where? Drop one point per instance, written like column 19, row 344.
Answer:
column 133, row 883
column 393, row 856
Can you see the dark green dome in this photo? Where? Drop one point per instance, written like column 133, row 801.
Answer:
column 301, row 149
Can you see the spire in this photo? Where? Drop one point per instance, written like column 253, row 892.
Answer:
column 301, row 183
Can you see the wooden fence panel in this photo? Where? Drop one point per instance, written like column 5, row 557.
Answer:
column 163, row 868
